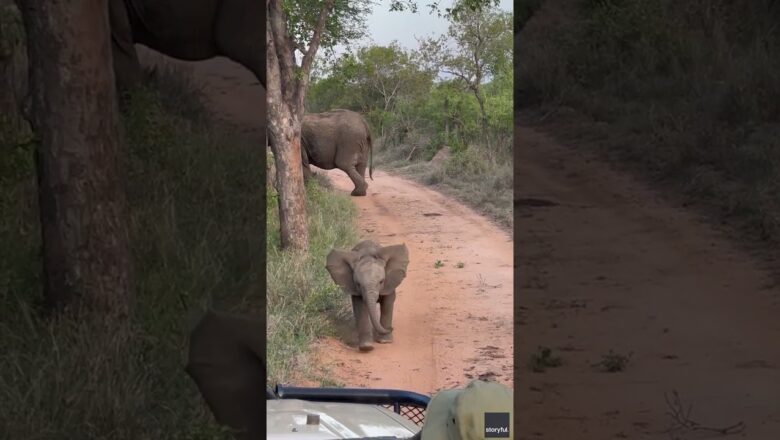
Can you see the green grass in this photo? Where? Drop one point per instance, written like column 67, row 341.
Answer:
column 478, row 176
column 196, row 218
column 302, row 298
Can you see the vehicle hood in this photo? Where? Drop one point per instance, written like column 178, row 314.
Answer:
column 286, row 419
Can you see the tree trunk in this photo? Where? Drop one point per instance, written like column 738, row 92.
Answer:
column 86, row 258
column 447, row 119
column 286, row 146
column 284, row 132
column 481, row 101
column 287, row 84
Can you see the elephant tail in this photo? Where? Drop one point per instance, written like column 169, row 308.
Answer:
column 371, row 157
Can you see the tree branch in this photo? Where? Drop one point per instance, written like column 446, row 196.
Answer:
column 395, row 90
column 308, row 56
column 274, row 89
column 681, row 417
column 301, row 48
column 459, row 75
column 285, row 57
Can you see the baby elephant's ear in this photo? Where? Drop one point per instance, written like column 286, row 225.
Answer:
column 396, row 260
column 339, row 265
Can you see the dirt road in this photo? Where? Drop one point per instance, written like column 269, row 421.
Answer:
column 234, row 94
column 452, row 320
column 608, row 266
column 451, row 323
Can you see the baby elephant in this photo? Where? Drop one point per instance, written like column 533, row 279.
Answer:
column 370, row 273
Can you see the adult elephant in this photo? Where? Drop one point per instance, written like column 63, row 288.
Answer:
column 189, row 30
column 338, row 139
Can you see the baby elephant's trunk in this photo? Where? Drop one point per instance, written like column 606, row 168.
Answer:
column 371, row 299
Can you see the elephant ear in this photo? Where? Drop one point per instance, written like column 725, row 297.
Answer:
column 396, row 261
column 339, row 264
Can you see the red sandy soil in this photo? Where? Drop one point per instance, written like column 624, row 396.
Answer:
column 234, row 94
column 451, row 324
column 610, row 266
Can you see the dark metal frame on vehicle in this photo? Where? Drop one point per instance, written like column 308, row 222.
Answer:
column 409, row 404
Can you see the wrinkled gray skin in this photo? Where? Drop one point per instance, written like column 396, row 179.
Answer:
column 370, row 273
column 227, row 362
column 338, row 139
column 189, row 30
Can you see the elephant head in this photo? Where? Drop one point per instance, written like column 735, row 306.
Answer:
column 369, row 270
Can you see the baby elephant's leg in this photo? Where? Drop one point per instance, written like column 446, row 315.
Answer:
column 386, row 318
column 363, row 323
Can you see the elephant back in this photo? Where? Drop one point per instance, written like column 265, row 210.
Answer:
column 324, row 135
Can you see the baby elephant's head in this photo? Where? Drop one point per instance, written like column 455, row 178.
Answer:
column 369, row 270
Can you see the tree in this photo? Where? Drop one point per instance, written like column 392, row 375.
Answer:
column 301, row 27
column 86, row 258
column 286, row 88
column 388, row 74
column 455, row 110
column 478, row 44
column 380, row 81
column 328, row 87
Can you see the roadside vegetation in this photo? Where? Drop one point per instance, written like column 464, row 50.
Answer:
column 436, row 115
column 303, row 302
column 65, row 377
column 683, row 93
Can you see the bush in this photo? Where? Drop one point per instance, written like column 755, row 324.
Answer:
column 470, row 162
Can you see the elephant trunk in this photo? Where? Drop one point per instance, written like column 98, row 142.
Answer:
column 371, row 298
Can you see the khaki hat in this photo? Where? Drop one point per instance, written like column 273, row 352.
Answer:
column 458, row 414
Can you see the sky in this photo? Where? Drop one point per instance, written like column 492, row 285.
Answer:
column 385, row 26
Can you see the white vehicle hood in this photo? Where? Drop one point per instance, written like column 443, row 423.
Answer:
column 286, row 419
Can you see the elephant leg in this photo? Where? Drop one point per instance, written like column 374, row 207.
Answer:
column 240, row 34
column 386, row 303
column 364, row 329
column 307, row 172
column 360, row 183
column 127, row 68
column 361, row 170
